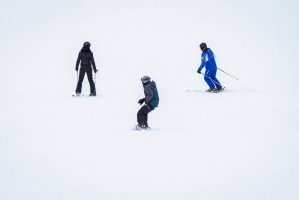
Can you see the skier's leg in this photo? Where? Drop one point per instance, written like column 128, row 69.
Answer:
column 145, row 120
column 208, row 80
column 149, row 109
column 90, row 80
column 215, row 80
column 81, row 77
column 142, row 115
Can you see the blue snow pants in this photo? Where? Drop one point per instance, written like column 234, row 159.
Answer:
column 211, row 80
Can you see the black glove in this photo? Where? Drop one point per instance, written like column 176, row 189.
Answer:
column 141, row 101
column 95, row 71
column 198, row 71
column 76, row 69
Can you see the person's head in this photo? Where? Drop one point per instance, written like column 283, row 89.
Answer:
column 86, row 45
column 203, row 46
column 145, row 79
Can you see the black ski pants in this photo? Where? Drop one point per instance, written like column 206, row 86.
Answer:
column 142, row 114
column 82, row 72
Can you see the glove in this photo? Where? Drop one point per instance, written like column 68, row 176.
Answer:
column 95, row 71
column 141, row 101
column 198, row 71
column 76, row 69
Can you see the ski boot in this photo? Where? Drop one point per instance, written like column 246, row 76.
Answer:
column 145, row 126
column 220, row 89
column 211, row 90
column 139, row 127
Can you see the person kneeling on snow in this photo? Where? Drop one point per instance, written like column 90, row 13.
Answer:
column 151, row 101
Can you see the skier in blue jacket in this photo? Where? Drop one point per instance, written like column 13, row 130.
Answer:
column 208, row 61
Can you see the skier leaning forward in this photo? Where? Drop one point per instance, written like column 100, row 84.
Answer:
column 151, row 102
column 208, row 61
column 86, row 58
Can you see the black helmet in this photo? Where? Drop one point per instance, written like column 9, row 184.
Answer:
column 145, row 79
column 86, row 44
column 203, row 46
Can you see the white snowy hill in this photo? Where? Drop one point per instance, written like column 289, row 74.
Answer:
column 239, row 144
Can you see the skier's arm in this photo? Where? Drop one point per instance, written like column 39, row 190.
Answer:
column 203, row 63
column 149, row 92
column 78, row 61
column 93, row 64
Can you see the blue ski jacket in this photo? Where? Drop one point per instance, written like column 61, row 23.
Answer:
column 208, row 60
column 151, row 94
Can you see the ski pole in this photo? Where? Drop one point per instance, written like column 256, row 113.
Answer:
column 227, row 73
column 211, row 79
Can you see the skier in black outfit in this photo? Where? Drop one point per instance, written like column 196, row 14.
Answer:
column 151, row 101
column 86, row 58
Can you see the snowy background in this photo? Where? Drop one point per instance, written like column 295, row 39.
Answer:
column 240, row 144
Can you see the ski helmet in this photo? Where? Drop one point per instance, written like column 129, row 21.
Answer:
column 203, row 46
column 86, row 44
column 145, row 79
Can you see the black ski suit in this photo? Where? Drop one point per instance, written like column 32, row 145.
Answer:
column 86, row 58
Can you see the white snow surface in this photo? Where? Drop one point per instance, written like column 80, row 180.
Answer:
column 239, row 144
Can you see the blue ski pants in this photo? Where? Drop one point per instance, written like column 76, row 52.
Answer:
column 211, row 80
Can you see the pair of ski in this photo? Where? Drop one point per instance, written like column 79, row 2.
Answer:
column 210, row 91
column 216, row 91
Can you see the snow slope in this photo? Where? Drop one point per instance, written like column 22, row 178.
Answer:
column 239, row 144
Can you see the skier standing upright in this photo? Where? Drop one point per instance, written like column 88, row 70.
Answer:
column 86, row 58
column 208, row 61
column 151, row 101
